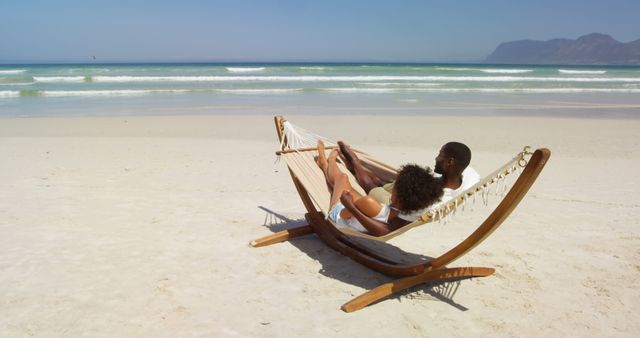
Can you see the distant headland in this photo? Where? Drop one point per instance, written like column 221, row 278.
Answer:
column 591, row 49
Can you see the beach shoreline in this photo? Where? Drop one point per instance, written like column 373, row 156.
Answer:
column 320, row 88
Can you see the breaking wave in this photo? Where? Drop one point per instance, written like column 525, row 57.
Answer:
column 506, row 71
column 9, row 93
column 123, row 92
column 260, row 91
column 404, row 84
column 485, row 90
column 61, row 78
column 593, row 72
column 462, row 69
column 363, row 78
column 244, row 69
column 342, row 90
column 364, row 90
column 12, row 71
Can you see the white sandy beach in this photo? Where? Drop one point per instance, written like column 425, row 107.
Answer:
column 139, row 227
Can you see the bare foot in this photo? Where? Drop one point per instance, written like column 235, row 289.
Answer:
column 348, row 155
column 321, row 160
column 333, row 155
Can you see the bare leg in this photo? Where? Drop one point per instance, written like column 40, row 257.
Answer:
column 321, row 160
column 365, row 178
column 339, row 182
column 329, row 166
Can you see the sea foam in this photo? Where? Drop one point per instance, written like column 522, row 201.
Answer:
column 360, row 78
column 506, row 71
column 17, row 84
column 404, row 84
column 12, row 71
column 570, row 71
column 122, row 92
column 462, row 69
column 59, row 78
column 9, row 93
column 116, row 79
column 354, row 90
column 261, row 91
column 244, row 69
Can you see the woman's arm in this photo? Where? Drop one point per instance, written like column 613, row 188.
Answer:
column 373, row 226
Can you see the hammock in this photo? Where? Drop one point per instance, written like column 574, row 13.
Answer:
column 298, row 149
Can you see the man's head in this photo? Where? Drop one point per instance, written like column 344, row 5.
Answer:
column 415, row 188
column 453, row 158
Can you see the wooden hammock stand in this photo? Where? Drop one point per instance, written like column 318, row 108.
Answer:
column 409, row 274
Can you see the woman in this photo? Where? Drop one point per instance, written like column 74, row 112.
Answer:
column 415, row 188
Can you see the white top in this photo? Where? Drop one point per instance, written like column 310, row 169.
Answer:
column 469, row 178
column 382, row 216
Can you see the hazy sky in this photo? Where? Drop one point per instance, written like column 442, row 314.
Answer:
column 327, row 30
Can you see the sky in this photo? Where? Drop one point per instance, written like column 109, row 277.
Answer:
column 297, row 30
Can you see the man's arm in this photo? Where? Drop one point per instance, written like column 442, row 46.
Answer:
column 373, row 226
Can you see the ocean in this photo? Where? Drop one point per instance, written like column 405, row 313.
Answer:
column 287, row 88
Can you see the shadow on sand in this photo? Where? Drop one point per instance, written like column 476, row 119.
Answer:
column 342, row 268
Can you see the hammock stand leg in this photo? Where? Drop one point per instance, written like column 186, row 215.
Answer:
column 401, row 284
column 282, row 236
column 285, row 235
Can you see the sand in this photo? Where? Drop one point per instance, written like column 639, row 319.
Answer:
column 139, row 227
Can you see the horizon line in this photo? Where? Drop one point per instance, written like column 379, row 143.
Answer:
column 300, row 62
column 195, row 61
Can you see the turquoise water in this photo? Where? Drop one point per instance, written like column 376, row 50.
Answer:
column 139, row 89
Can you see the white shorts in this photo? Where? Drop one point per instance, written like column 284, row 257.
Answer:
column 352, row 222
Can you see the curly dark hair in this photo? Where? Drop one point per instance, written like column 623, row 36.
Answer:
column 416, row 188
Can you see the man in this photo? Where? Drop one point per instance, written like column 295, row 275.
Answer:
column 452, row 163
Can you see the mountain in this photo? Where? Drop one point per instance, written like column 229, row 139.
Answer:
column 592, row 49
